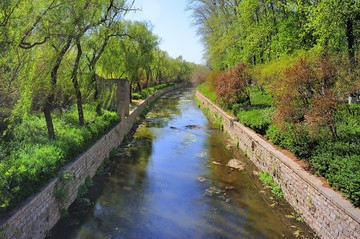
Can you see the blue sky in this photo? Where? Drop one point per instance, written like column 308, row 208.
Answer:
column 173, row 25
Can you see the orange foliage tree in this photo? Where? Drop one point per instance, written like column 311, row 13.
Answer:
column 233, row 85
column 305, row 95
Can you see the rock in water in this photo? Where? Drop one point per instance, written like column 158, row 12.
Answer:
column 195, row 127
column 201, row 179
column 234, row 163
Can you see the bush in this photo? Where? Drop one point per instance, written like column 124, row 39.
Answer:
column 233, row 86
column 258, row 115
column 296, row 138
column 268, row 180
column 136, row 96
column 341, row 169
column 258, row 120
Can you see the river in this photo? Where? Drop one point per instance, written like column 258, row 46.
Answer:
column 171, row 181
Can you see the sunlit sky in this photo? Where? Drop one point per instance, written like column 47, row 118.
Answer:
column 173, row 25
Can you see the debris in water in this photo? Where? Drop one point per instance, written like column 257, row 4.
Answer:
column 202, row 155
column 201, row 179
column 216, row 163
column 218, row 193
column 213, row 191
column 234, row 163
column 194, row 127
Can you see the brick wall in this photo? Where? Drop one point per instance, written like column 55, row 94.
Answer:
column 40, row 213
column 323, row 209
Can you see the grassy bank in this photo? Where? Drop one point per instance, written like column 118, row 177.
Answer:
column 29, row 158
column 145, row 92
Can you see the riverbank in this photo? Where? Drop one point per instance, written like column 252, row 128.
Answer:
column 38, row 214
column 323, row 209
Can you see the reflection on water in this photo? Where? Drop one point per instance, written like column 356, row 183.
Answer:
column 171, row 182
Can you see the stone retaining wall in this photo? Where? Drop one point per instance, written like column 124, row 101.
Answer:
column 39, row 214
column 323, row 209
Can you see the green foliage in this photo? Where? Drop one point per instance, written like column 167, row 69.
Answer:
column 217, row 121
column 339, row 160
column 245, row 152
column 207, row 90
column 32, row 159
column 64, row 213
column 258, row 115
column 105, row 163
column 83, row 189
column 257, row 119
column 296, row 138
column 62, row 187
column 144, row 93
column 268, row 180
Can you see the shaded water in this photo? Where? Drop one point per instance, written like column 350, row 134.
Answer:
column 171, row 181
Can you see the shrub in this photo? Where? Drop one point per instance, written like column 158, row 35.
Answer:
column 136, row 96
column 233, row 86
column 305, row 94
column 341, row 169
column 257, row 119
column 268, row 180
column 296, row 138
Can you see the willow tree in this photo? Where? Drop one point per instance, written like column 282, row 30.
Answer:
column 132, row 54
column 54, row 28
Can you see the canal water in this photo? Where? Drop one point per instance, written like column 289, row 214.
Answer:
column 171, row 181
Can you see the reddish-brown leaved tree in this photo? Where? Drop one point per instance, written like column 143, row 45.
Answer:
column 305, row 95
column 233, row 85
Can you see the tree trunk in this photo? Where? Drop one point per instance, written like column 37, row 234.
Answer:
column 48, row 119
column 350, row 38
column 51, row 97
column 139, row 87
column 97, row 91
column 130, row 92
column 76, row 84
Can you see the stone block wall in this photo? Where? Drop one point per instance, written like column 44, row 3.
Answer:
column 324, row 210
column 35, row 217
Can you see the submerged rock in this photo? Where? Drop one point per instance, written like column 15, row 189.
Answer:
column 201, row 179
column 195, row 127
column 217, row 193
column 236, row 164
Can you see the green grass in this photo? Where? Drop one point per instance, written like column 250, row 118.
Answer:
column 30, row 159
column 206, row 90
column 257, row 115
column 150, row 90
